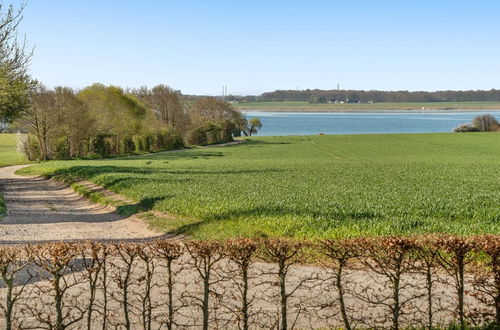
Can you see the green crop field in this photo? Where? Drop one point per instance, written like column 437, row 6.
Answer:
column 8, row 151
column 326, row 107
column 313, row 186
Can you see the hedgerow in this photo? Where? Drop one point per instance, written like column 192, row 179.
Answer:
column 386, row 282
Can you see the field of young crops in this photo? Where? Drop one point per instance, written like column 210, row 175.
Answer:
column 314, row 186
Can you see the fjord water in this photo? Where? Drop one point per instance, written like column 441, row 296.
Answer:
column 307, row 123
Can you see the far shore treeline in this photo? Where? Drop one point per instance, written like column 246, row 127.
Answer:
column 100, row 120
column 367, row 96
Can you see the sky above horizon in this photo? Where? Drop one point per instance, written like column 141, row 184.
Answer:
column 258, row 46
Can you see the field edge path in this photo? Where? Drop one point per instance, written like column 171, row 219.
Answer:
column 41, row 210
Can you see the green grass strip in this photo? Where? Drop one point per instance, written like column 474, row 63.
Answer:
column 3, row 207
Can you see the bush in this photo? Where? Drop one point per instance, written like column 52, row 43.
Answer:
column 482, row 123
column 210, row 133
column 138, row 143
column 103, row 145
column 30, row 148
column 485, row 123
column 463, row 128
column 61, row 148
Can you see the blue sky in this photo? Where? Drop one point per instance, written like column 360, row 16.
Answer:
column 257, row 46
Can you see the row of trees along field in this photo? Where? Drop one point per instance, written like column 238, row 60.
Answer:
column 107, row 120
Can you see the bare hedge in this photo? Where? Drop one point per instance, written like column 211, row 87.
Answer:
column 385, row 282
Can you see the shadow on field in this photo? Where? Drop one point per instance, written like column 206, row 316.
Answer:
column 176, row 155
column 90, row 171
column 280, row 211
column 334, row 217
column 263, row 143
column 144, row 205
column 186, row 153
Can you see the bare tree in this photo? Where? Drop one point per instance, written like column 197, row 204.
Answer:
column 213, row 110
column 166, row 103
column 38, row 121
column 485, row 123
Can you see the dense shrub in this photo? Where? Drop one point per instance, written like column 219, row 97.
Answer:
column 485, row 123
column 463, row 128
column 482, row 123
column 210, row 133
column 107, row 145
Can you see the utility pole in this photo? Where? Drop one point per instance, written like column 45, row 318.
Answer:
column 224, row 91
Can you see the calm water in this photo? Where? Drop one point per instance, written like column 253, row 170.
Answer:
column 299, row 123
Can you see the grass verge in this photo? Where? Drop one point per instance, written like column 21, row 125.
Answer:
column 3, row 207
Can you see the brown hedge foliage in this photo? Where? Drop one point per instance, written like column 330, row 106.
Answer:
column 386, row 282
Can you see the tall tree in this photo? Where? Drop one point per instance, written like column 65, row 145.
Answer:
column 73, row 122
column 60, row 123
column 115, row 112
column 38, row 121
column 213, row 110
column 15, row 83
column 166, row 104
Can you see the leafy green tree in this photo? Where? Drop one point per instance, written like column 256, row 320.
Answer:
column 115, row 112
column 15, row 83
column 254, row 124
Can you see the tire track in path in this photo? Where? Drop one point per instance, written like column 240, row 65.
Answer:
column 44, row 210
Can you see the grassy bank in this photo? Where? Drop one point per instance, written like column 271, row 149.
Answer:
column 8, row 156
column 314, row 186
column 3, row 208
column 8, row 151
column 353, row 107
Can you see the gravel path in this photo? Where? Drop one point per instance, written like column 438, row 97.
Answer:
column 42, row 210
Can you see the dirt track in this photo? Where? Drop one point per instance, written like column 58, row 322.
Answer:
column 40, row 210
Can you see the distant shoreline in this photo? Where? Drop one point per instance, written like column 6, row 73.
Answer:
column 442, row 107
column 365, row 110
